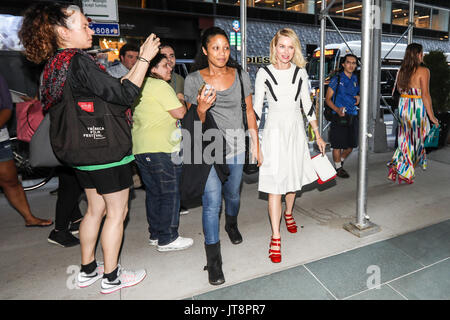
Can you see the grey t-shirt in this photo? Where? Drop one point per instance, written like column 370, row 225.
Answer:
column 226, row 111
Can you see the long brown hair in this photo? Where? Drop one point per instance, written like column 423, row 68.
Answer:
column 409, row 65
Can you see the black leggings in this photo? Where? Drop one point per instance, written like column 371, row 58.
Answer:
column 69, row 192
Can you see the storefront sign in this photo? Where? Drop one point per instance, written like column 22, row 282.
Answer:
column 232, row 38
column 101, row 10
column 238, row 41
column 236, row 26
column 258, row 60
column 105, row 29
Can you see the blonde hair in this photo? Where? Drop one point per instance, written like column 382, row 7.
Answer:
column 298, row 58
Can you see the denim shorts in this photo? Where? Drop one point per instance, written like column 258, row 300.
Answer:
column 5, row 151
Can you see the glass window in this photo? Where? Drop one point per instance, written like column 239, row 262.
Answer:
column 386, row 8
column 351, row 10
column 439, row 20
column 422, row 17
column 275, row 4
column 304, row 6
column 400, row 14
column 278, row 4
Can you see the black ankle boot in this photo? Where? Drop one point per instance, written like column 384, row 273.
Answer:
column 232, row 229
column 214, row 264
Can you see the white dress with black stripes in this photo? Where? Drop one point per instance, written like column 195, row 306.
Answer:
column 286, row 160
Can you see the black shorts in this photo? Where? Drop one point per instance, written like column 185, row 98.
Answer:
column 107, row 180
column 344, row 137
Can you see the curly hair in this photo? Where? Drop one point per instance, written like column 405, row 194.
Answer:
column 38, row 34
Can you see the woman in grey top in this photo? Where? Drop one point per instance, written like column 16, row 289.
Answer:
column 221, row 96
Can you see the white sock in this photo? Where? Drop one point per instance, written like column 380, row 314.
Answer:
column 337, row 165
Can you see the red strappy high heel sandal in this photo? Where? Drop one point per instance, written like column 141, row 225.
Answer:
column 408, row 181
column 392, row 175
column 275, row 255
column 290, row 223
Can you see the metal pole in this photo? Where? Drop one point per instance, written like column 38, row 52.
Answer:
column 243, row 34
column 411, row 21
column 376, row 61
column 363, row 226
column 395, row 44
column 323, row 25
column 364, row 115
column 379, row 141
column 340, row 33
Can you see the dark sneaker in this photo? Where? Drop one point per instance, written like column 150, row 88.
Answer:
column 63, row 238
column 75, row 227
column 342, row 173
column 183, row 211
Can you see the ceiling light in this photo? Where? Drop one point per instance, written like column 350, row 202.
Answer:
column 348, row 9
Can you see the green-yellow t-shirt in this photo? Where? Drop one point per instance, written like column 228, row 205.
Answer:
column 154, row 129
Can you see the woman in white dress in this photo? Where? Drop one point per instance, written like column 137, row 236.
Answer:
column 287, row 163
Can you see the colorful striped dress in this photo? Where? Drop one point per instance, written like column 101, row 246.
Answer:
column 411, row 135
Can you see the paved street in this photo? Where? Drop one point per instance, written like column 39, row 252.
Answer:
column 409, row 257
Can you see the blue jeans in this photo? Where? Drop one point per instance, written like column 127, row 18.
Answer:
column 212, row 197
column 161, row 178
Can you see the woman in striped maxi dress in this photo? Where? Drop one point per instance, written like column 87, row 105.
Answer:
column 414, row 106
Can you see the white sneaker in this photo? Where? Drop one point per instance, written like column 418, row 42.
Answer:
column 179, row 243
column 85, row 280
column 153, row 242
column 124, row 279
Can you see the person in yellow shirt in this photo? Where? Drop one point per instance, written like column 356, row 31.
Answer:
column 156, row 145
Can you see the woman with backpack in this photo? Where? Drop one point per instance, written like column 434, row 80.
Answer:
column 75, row 84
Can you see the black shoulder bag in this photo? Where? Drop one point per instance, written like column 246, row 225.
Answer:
column 88, row 130
column 249, row 168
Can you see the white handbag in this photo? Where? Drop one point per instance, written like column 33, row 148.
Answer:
column 323, row 167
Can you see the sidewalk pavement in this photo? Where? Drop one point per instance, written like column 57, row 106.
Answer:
column 31, row 268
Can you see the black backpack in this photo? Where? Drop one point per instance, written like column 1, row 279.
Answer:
column 88, row 130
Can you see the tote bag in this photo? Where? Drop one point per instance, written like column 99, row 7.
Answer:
column 41, row 151
column 29, row 115
column 323, row 167
column 432, row 139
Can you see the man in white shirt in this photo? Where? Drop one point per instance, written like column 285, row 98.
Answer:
column 128, row 56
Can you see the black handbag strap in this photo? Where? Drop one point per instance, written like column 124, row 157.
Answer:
column 243, row 103
column 337, row 88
